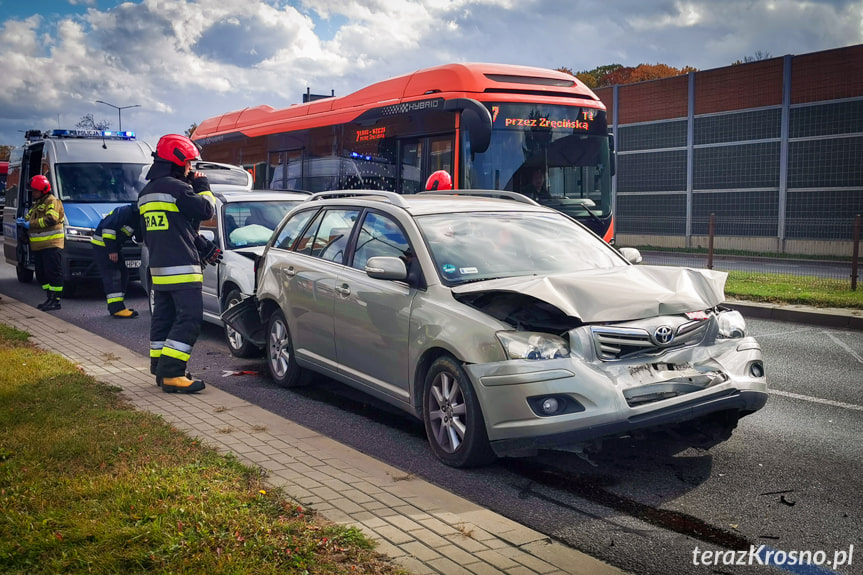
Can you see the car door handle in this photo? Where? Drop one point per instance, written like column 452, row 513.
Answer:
column 344, row 290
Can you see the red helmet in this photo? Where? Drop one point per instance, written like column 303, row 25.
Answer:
column 440, row 180
column 177, row 149
column 40, row 184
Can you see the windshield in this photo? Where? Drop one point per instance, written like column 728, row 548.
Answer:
column 100, row 182
column 557, row 155
column 252, row 223
column 474, row 246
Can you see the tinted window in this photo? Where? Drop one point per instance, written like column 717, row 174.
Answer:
column 292, row 228
column 380, row 236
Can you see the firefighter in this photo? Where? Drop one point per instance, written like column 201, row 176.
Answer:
column 439, row 180
column 172, row 204
column 113, row 231
column 44, row 223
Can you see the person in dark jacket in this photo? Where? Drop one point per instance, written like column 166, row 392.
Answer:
column 44, row 223
column 115, row 229
column 172, row 205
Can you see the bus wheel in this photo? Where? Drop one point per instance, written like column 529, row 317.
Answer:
column 25, row 275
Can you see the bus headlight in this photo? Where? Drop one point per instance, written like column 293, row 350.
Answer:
column 731, row 325
column 76, row 234
column 531, row 345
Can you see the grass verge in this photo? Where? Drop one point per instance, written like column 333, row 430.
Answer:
column 89, row 485
column 801, row 290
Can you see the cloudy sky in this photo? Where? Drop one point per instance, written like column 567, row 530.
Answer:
column 183, row 61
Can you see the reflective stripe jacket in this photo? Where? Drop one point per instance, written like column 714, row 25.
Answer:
column 116, row 228
column 170, row 211
column 46, row 218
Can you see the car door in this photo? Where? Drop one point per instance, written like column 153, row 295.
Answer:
column 308, row 277
column 212, row 307
column 372, row 317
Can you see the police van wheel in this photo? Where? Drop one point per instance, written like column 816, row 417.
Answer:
column 25, row 275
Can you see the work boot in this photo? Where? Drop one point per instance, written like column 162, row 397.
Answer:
column 47, row 300
column 125, row 314
column 53, row 304
column 181, row 385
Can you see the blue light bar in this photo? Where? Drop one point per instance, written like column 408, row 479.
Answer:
column 103, row 134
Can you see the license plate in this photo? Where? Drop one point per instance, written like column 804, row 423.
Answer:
column 133, row 263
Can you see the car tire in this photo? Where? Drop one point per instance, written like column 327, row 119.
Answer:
column 453, row 418
column 281, row 361
column 25, row 275
column 239, row 346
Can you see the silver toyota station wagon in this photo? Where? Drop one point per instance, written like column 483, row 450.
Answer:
column 507, row 327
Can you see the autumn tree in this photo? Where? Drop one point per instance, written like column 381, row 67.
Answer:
column 191, row 129
column 4, row 152
column 611, row 74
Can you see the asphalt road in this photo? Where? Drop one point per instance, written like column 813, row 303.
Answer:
column 790, row 477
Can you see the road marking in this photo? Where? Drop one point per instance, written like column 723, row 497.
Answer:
column 816, row 399
column 844, row 346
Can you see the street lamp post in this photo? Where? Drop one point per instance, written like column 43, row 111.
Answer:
column 119, row 111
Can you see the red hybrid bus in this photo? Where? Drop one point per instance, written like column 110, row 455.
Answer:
column 535, row 131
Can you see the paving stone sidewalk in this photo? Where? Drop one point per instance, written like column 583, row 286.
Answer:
column 425, row 529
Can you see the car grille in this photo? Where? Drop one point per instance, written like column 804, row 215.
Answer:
column 616, row 343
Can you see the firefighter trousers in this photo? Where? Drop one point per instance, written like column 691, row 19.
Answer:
column 49, row 270
column 115, row 278
column 174, row 328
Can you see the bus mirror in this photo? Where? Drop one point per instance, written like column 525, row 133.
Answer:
column 476, row 119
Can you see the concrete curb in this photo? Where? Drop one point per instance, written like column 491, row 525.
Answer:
column 827, row 317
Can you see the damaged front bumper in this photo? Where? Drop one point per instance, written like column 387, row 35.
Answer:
column 567, row 402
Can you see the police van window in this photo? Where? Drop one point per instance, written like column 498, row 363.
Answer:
column 100, row 182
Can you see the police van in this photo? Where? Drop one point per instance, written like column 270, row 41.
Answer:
column 91, row 172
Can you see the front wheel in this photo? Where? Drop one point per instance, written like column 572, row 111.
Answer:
column 25, row 275
column 281, row 362
column 238, row 345
column 453, row 418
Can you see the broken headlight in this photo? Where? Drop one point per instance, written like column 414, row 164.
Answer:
column 531, row 345
column 731, row 325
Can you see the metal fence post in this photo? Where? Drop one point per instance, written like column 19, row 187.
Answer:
column 855, row 253
column 711, row 231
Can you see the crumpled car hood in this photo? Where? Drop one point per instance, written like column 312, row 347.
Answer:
column 617, row 294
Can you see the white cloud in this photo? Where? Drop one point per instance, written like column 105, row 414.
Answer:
column 186, row 60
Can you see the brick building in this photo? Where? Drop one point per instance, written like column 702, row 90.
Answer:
column 773, row 148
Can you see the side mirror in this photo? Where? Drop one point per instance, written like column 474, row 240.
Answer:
column 631, row 255
column 476, row 119
column 386, row 268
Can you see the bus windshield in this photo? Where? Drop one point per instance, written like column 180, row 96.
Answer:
column 100, row 182
column 557, row 155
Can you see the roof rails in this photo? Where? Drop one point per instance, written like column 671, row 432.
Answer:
column 504, row 194
column 393, row 197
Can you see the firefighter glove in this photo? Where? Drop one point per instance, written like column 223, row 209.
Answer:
column 200, row 184
column 25, row 223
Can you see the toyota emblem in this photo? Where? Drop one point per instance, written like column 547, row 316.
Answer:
column 663, row 335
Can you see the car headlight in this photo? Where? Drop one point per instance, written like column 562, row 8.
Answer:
column 731, row 324
column 530, row 345
column 76, row 234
